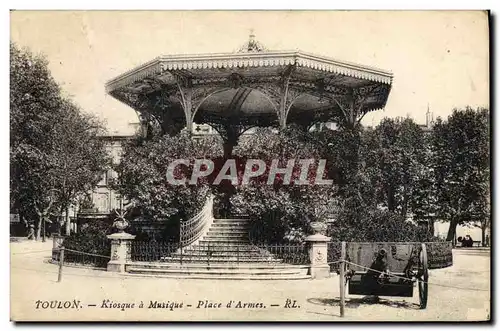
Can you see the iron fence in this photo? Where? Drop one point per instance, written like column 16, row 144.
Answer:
column 290, row 253
column 219, row 253
column 333, row 255
column 439, row 254
column 95, row 253
column 152, row 251
column 77, row 258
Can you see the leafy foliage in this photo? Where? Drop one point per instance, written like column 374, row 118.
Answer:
column 91, row 239
column 142, row 175
column 55, row 152
column 374, row 225
column 281, row 209
column 396, row 154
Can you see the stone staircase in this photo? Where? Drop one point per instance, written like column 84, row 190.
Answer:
column 223, row 252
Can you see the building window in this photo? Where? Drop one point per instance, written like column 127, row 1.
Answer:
column 103, row 181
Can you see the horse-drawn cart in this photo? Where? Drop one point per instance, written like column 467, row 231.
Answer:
column 384, row 269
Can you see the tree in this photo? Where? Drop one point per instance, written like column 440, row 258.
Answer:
column 279, row 209
column 142, row 176
column 396, row 157
column 48, row 135
column 462, row 153
column 81, row 156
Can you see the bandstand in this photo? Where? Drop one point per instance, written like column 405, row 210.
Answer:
column 233, row 92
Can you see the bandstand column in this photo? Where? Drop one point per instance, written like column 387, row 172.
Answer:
column 229, row 134
column 230, row 140
column 228, row 149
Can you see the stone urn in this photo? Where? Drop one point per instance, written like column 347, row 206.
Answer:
column 318, row 227
column 120, row 224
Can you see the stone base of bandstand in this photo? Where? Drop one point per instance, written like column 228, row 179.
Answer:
column 318, row 250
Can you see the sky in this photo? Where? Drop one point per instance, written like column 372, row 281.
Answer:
column 439, row 59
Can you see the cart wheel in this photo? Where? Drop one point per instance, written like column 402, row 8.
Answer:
column 423, row 286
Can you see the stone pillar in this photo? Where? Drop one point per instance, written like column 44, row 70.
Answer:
column 120, row 251
column 318, row 251
column 57, row 241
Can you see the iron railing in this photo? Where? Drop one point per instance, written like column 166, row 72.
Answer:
column 439, row 254
column 333, row 255
column 219, row 253
column 290, row 253
column 286, row 252
column 152, row 251
column 94, row 254
column 192, row 229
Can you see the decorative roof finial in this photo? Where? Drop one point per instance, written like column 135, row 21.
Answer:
column 252, row 46
column 252, row 35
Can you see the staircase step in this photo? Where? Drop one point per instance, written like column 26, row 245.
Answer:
column 235, row 221
column 208, row 271
column 241, row 255
column 213, row 266
column 224, row 230
column 247, row 220
column 221, row 248
column 227, row 246
column 210, row 240
column 231, row 226
column 242, row 237
column 204, row 259
column 224, row 245
column 139, row 272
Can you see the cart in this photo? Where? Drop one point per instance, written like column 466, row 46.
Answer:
column 384, row 269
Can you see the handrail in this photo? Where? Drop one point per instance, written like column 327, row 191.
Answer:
column 192, row 229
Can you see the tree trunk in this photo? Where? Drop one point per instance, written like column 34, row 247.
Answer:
column 67, row 222
column 483, row 234
column 24, row 222
column 44, row 228
column 431, row 228
column 404, row 207
column 391, row 201
column 451, row 230
column 38, row 227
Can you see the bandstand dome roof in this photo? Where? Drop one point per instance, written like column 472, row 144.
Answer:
column 249, row 86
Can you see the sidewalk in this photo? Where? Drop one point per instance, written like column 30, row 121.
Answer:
column 315, row 300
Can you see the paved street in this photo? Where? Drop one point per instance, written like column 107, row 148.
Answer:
column 34, row 286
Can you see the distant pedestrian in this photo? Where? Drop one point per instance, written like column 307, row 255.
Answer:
column 31, row 232
column 467, row 241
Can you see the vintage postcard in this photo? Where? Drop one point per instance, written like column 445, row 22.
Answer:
column 250, row 166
